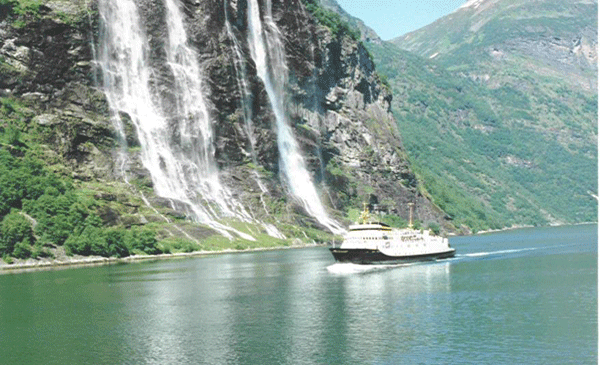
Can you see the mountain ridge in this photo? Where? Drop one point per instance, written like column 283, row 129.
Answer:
column 497, row 106
column 511, row 69
column 552, row 33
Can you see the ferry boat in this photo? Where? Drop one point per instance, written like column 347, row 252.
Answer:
column 369, row 242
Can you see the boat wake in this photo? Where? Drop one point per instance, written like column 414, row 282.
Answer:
column 349, row 268
column 501, row 252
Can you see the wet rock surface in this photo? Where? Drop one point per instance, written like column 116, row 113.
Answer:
column 336, row 103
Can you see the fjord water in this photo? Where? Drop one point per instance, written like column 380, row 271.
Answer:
column 520, row 297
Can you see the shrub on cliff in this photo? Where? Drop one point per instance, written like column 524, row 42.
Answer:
column 331, row 20
column 15, row 233
column 88, row 239
column 58, row 215
column 21, row 8
column 142, row 241
column 23, row 179
column 112, row 242
column 115, row 242
column 63, row 216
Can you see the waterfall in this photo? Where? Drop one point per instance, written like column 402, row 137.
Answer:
column 242, row 83
column 268, row 54
column 176, row 140
column 163, row 97
column 241, row 78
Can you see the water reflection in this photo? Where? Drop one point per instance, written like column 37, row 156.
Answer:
column 388, row 309
column 273, row 308
column 175, row 314
column 294, row 307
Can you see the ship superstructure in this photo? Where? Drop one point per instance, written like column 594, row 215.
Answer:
column 370, row 242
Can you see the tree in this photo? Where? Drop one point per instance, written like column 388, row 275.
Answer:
column 14, row 229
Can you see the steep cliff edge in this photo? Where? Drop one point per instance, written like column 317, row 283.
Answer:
column 46, row 66
column 337, row 103
column 337, row 106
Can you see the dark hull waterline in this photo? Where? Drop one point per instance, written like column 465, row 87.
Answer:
column 366, row 256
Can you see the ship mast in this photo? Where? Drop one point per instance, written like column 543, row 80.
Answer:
column 410, row 216
column 364, row 216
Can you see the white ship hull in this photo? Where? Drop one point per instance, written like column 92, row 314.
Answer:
column 376, row 243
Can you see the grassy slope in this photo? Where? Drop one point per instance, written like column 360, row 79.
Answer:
column 522, row 138
column 485, row 154
column 499, row 125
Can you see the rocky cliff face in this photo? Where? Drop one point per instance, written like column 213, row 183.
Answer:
column 335, row 101
column 339, row 107
column 46, row 64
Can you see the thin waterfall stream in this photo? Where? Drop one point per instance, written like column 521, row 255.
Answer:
column 174, row 125
column 176, row 148
column 242, row 83
column 268, row 54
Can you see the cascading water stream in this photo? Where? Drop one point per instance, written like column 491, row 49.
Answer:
column 114, row 74
column 196, row 138
column 267, row 52
column 242, row 81
column 176, row 147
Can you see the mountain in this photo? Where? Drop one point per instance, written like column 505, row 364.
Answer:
column 167, row 126
column 367, row 33
column 497, row 106
column 550, row 38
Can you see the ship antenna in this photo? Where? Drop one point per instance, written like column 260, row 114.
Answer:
column 410, row 217
column 364, row 216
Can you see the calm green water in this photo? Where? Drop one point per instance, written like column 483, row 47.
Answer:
column 519, row 297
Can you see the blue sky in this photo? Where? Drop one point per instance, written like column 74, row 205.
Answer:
column 391, row 19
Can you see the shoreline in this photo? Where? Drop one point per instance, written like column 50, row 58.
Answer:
column 67, row 262
column 90, row 261
column 515, row 227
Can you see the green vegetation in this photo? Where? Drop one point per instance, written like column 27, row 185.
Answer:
column 492, row 158
column 338, row 26
column 500, row 131
column 22, row 10
column 15, row 232
column 39, row 209
column 116, row 242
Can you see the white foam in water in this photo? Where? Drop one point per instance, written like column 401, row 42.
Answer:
column 349, row 268
column 481, row 254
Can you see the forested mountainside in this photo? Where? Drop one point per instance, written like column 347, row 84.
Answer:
column 497, row 107
column 367, row 34
column 166, row 126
